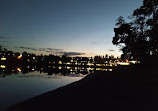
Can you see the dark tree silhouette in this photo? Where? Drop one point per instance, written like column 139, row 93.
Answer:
column 3, row 49
column 139, row 37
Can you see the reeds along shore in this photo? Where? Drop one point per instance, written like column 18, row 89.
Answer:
column 127, row 89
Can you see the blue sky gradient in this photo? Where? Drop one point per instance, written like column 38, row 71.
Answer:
column 83, row 26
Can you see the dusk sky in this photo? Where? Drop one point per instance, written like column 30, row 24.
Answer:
column 74, row 27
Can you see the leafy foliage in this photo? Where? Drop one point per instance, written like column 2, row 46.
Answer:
column 139, row 37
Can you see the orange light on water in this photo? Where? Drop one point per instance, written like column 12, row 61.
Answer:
column 59, row 62
column 60, row 67
column 18, row 69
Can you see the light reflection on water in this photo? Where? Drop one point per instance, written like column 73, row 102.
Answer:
column 20, row 83
column 64, row 70
column 15, row 88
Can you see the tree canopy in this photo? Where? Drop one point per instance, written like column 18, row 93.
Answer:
column 139, row 37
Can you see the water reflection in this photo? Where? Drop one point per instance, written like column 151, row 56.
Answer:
column 50, row 70
column 18, row 87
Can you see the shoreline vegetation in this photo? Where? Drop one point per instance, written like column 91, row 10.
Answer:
column 124, row 89
column 11, row 62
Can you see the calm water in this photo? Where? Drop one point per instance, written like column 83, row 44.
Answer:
column 15, row 88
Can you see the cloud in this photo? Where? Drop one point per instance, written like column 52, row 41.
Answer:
column 2, row 37
column 111, row 50
column 52, row 51
column 27, row 48
column 73, row 53
column 41, row 49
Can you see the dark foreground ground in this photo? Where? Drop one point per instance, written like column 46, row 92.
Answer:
column 120, row 90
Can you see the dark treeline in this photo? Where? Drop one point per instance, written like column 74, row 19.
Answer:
column 11, row 58
column 11, row 62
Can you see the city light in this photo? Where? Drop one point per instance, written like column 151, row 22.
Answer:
column 2, row 66
column 19, row 57
column 60, row 67
column 68, row 63
column 3, row 58
column 18, row 69
column 133, row 62
column 109, row 69
column 122, row 63
column 60, row 62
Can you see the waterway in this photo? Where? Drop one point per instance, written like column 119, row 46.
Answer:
column 17, row 87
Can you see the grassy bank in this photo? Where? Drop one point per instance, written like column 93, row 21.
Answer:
column 127, row 89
